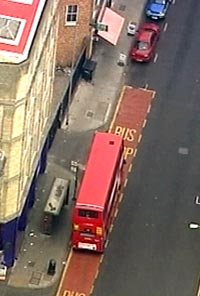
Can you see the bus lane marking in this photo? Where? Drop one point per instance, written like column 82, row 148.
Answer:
column 131, row 139
column 117, row 108
column 149, row 109
column 116, row 212
column 96, row 274
column 129, row 136
column 128, row 151
column 135, row 152
column 140, row 138
column 101, row 259
column 106, row 244
column 64, row 273
column 121, row 197
column 73, row 293
column 92, row 289
column 125, row 182
column 130, row 167
column 111, row 228
column 127, row 133
column 144, row 123
column 153, row 94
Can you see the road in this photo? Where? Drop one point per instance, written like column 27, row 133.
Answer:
column 75, row 281
column 151, row 250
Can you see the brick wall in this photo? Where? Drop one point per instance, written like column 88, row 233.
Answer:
column 71, row 38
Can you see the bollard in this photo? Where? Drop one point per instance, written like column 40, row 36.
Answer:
column 51, row 267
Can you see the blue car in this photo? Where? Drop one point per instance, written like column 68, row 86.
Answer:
column 157, row 9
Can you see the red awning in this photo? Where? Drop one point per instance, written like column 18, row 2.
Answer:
column 114, row 22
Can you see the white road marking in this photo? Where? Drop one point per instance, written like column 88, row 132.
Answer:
column 197, row 201
column 144, row 123
column 149, row 108
column 165, row 27
column 155, row 58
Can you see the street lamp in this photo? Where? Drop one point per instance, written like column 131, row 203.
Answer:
column 75, row 170
column 194, row 225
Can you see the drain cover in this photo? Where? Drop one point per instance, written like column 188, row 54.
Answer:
column 35, row 278
column 89, row 114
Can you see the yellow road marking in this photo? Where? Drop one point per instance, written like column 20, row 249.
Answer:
column 92, row 289
column 154, row 94
column 144, row 123
column 125, row 182
column 96, row 274
column 102, row 256
column 130, row 167
column 111, row 228
column 117, row 108
column 121, row 197
column 149, row 108
column 64, row 272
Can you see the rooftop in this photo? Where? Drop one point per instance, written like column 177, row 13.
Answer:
column 19, row 20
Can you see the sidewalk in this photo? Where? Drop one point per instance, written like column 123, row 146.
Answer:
column 92, row 108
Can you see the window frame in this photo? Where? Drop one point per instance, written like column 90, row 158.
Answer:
column 71, row 23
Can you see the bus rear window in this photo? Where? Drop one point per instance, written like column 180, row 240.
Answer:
column 88, row 214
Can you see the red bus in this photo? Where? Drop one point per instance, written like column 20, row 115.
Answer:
column 96, row 198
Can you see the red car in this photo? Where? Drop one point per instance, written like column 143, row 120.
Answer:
column 145, row 42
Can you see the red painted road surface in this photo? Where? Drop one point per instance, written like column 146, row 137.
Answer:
column 129, row 120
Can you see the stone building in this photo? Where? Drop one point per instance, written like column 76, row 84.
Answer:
column 28, row 34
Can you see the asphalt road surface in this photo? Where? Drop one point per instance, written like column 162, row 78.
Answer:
column 152, row 252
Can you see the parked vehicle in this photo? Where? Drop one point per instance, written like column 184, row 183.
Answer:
column 145, row 41
column 97, row 196
column 157, row 9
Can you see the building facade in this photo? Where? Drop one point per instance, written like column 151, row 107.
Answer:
column 74, row 30
column 27, row 65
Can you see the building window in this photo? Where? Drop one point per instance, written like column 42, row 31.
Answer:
column 71, row 15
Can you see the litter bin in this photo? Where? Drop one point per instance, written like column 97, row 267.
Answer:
column 88, row 69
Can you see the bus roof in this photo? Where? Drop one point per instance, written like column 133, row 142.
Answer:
column 103, row 156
